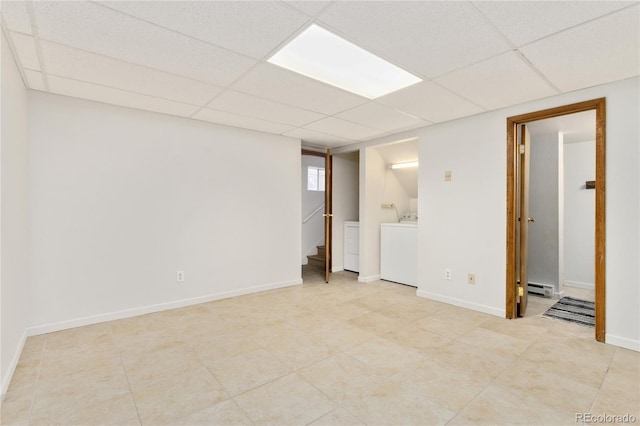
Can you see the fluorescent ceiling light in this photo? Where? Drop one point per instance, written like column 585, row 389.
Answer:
column 404, row 165
column 322, row 55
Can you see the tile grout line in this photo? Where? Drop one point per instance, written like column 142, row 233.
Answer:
column 291, row 371
column 295, row 322
column 115, row 344
column 597, row 395
column 230, row 397
column 339, row 404
column 492, row 381
column 35, row 386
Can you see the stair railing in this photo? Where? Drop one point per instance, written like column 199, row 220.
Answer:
column 313, row 213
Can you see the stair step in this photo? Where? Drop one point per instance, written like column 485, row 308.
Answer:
column 316, row 260
column 321, row 251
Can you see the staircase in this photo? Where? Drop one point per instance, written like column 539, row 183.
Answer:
column 317, row 259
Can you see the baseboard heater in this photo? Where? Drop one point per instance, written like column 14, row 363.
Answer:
column 544, row 290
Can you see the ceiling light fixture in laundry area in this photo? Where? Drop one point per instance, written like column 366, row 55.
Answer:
column 404, row 165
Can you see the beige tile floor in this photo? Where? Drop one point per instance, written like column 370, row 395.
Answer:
column 340, row 354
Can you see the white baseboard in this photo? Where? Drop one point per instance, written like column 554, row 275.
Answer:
column 8, row 375
column 368, row 279
column 461, row 303
column 558, row 294
column 128, row 313
column 337, row 268
column 578, row 284
column 622, row 342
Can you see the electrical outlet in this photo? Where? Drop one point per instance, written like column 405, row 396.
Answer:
column 447, row 175
column 471, row 279
column 447, row 274
column 179, row 276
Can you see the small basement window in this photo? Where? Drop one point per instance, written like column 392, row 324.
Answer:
column 315, row 178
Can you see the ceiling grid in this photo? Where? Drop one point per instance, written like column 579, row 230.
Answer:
column 208, row 60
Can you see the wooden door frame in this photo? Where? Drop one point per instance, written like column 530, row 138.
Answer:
column 328, row 208
column 312, row 153
column 328, row 205
column 523, row 214
column 599, row 105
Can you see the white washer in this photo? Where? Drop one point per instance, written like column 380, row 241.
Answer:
column 399, row 253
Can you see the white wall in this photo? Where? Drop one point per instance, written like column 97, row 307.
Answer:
column 372, row 171
column 121, row 199
column 463, row 222
column 543, row 206
column 393, row 192
column 345, row 202
column 579, row 214
column 313, row 230
column 13, row 214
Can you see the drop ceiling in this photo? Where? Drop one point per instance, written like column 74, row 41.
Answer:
column 207, row 60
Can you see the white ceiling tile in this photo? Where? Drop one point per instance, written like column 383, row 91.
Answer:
column 344, row 129
column 80, row 65
column 247, row 105
column 317, row 138
column 236, row 120
column 141, row 48
column 253, row 28
column 310, row 7
column 425, row 37
column 16, row 16
column 27, row 52
column 275, row 83
column 430, row 102
column 82, row 90
column 497, row 82
column 597, row 52
column 525, row 21
column 381, row 117
column 102, row 30
column 35, row 80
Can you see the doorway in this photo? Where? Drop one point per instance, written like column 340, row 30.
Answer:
column 317, row 209
column 515, row 292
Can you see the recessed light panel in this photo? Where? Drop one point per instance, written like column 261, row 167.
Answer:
column 322, row 55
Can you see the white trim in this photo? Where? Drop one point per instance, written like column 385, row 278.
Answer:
column 558, row 294
column 462, row 303
column 368, row 279
column 127, row 313
column 578, row 284
column 13, row 364
column 337, row 269
column 622, row 342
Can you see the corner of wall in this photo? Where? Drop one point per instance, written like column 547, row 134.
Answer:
column 7, row 372
column 13, row 213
